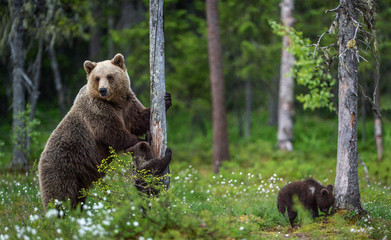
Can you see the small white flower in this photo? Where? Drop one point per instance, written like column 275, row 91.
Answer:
column 136, row 224
column 241, row 228
column 51, row 213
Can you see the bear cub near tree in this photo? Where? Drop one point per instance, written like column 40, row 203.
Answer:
column 310, row 193
column 106, row 113
column 144, row 160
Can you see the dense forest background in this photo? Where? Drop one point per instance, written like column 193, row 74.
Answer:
column 96, row 30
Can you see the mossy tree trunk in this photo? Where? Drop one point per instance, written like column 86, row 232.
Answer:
column 157, row 78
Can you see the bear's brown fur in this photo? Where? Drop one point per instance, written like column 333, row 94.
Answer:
column 144, row 160
column 105, row 113
column 310, row 193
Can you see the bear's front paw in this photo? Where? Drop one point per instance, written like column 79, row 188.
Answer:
column 167, row 99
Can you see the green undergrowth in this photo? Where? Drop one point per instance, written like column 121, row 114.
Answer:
column 238, row 203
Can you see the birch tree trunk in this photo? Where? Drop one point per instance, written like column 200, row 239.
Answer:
column 347, row 192
column 286, row 111
column 378, row 128
column 378, row 122
column 19, row 160
column 220, row 134
column 157, row 79
column 57, row 79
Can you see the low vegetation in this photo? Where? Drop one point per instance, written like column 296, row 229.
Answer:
column 237, row 203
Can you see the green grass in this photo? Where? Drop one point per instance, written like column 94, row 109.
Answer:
column 237, row 203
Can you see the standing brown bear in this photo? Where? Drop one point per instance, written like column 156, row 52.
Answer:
column 106, row 113
column 311, row 194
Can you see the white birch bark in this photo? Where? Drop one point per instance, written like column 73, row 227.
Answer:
column 157, row 79
column 286, row 111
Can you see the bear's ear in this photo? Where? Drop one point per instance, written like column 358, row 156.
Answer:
column 330, row 188
column 324, row 192
column 88, row 66
column 119, row 61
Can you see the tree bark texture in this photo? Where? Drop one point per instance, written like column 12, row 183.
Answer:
column 220, row 134
column 19, row 160
column 285, row 110
column 57, row 79
column 157, row 79
column 347, row 192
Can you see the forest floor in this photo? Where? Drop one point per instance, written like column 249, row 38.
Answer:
column 238, row 203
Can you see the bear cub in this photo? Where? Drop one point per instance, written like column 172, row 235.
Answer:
column 144, row 160
column 310, row 193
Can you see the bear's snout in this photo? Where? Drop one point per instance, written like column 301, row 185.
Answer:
column 103, row 92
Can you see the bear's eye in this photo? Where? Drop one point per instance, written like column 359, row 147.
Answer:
column 109, row 77
column 97, row 79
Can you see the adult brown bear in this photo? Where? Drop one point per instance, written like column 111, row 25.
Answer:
column 106, row 113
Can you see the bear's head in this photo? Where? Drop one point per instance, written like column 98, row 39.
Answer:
column 142, row 151
column 108, row 79
column 325, row 199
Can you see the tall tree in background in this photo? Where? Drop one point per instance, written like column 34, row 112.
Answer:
column 347, row 192
column 19, row 160
column 158, row 86
column 377, row 123
column 219, row 118
column 57, row 78
column 286, row 111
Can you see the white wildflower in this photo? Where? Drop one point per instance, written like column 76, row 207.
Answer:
column 51, row 213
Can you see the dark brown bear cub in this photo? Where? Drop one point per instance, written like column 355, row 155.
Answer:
column 142, row 152
column 310, row 193
column 106, row 113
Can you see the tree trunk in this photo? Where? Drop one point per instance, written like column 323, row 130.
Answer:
column 378, row 122
column 273, row 103
column 19, row 160
column 94, row 44
column 34, row 95
column 347, row 192
column 36, row 77
column 158, row 87
column 110, row 26
column 285, row 110
column 378, row 128
column 220, row 134
column 248, row 109
column 57, row 79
